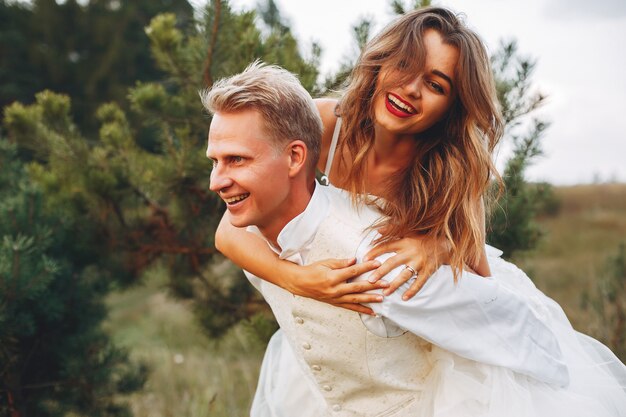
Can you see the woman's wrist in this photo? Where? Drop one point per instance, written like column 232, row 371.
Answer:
column 290, row 275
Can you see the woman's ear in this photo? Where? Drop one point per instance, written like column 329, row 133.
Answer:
column 297, row 153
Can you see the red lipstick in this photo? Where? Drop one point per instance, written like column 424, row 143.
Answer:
column 396, row 110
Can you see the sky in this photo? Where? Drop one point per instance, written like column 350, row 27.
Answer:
column 579, row 46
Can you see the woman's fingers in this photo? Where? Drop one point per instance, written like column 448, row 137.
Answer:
column 359, row 298
column 329, row 280
column 360, row 287
column 402, row 277
column 414, row 288
column 423, row 276
column 353, row 271
column 388, row 266
column 337, row 263
column 357, row 307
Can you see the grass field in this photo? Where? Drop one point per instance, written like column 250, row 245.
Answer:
column 192, row 376
column 578, row 241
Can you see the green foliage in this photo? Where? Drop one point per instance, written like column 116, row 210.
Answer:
column 607, row 301
column 281, row 46
column 54, row 357
column 335, row 82
column 399, row 6
column 92, row 51
column 512, row 224
column 260, row 328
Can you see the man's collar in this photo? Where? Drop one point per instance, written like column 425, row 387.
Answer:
column 300, row 231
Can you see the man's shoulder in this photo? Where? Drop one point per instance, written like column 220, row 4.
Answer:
column 348, row 210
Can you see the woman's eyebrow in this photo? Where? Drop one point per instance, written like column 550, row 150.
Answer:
column 444, row 76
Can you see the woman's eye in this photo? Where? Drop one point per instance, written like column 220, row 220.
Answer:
column 439, row 89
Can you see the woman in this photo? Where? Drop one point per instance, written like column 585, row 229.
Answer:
column 378, row 154
column 419, row 122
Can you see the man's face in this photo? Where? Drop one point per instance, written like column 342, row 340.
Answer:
column 249, row 173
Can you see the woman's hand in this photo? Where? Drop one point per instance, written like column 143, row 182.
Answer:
column 423, row 256
column 327, row 281
column 323, row 281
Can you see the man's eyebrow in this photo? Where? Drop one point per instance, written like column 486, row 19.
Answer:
column 444, row 76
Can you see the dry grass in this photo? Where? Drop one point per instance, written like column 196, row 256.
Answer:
column 576, row 245
column 191, row 376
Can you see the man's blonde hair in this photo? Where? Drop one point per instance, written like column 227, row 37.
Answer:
column 287, row 109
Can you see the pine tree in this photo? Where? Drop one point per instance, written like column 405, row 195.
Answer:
column 54, row 356
column 512, row 225
column 93, row 51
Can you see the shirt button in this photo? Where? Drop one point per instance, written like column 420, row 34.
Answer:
column 299, row 320
column 316, row 368
column 306, row 346
column 327, row 388
column 336, row 407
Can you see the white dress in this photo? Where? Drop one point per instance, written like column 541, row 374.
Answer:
column 459, row 387
column 597, row 385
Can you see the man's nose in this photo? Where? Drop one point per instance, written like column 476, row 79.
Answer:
column 220, row 180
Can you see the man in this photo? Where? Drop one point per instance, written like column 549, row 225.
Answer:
column 264, row 144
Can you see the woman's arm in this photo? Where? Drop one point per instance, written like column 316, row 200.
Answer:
column 324, row 281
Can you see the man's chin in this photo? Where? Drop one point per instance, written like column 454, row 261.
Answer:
column 239, row 221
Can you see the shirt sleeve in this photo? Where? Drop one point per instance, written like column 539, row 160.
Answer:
column 476, row 318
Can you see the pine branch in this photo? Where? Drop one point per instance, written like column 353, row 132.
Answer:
column 118, row 213
column 208, row 79
column 204, row 280
column 151, row 203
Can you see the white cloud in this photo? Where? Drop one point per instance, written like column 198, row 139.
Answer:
column 584, row 9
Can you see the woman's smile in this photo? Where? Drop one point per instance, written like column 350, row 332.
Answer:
column 399, row 107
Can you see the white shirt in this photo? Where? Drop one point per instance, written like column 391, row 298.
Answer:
column 477, row 318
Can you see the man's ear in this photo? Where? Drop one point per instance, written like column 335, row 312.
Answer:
column 297, row 153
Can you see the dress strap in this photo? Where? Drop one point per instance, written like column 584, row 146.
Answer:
column 331, row 152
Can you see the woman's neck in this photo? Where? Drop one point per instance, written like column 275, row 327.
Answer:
column 391, row 150
column 388, row 155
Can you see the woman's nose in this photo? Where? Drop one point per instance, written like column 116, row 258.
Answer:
column 413, row 87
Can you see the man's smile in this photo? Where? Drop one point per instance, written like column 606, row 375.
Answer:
column 236, row 198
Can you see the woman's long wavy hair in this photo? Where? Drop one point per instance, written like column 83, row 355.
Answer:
column 439, row 194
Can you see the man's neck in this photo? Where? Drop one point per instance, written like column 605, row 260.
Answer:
column 298, row 201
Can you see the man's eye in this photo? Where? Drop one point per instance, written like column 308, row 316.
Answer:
column 236, row 159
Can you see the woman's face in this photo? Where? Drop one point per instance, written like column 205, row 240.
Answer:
column 414, row 106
